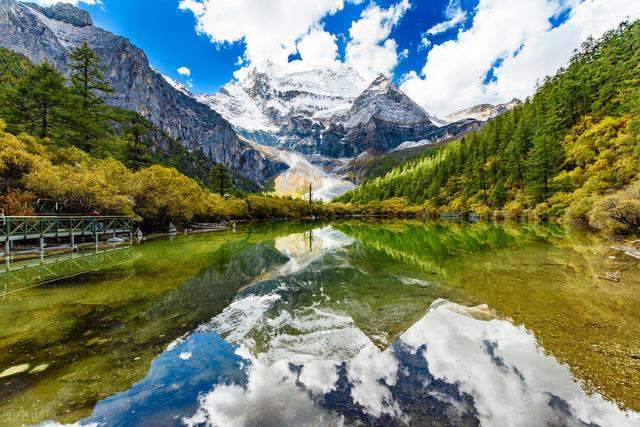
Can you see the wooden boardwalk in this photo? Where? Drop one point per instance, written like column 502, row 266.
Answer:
column 23, row 228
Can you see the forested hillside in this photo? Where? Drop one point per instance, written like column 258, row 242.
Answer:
column 570, row 152
column 39, row 101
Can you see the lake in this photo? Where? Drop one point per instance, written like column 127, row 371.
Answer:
column 351, row 322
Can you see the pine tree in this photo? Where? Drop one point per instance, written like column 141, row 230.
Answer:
column 135, row 130
column 36, row 105
column 87, row 78
column 87, row 84
column 220, row 178
column 545, row 157
column 516, row 152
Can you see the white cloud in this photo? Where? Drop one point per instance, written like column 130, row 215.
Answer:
column 512, row 380
column 273, row 30
column 372, row 372
column 544, row 53
column 519, row 34
column 425, row 43
column 370, row 50
column 318, row 47
column 184, row 71
column 261, row 401
column 270, row 29
column 455, row 16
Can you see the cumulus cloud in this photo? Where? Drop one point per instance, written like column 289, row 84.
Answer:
column 299, row 30
column 372, row 373
column 370, row 50
column 252, row 22
column 512, row 381
column 425, row 43
column 318, row 47
column 184, row 71
column 260, row 401
column 518, row 42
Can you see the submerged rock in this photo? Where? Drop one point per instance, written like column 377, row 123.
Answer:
column 40, row 368
column 14, row 370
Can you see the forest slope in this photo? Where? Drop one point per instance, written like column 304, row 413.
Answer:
column 570, row 152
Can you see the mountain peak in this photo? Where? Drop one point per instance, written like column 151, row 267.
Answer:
column 64, row 12
column 381, row 82
column 51, row 33
column 380, row 79
column 383, row 100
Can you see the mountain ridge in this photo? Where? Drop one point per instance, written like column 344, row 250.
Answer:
column 334, row 114
column 482, row 112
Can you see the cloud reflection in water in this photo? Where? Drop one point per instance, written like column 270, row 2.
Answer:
column 278, row 355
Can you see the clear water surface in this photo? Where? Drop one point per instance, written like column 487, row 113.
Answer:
column 347, row 323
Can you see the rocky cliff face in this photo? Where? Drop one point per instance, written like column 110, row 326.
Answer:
column 50, row 34
column 382, row 100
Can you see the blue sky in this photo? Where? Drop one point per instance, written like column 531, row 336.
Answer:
column 168, row 36
column 445, row 54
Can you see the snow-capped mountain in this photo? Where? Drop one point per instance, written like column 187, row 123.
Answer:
column 287, row 105
column 175, row 84
column 330, row 115
column 482, row 112
column 330, row 111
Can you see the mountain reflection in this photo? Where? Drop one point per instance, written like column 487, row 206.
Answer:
column 289, row 351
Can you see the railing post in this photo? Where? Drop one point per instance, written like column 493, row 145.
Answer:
column 7, row 244
column 7, row 241
column 95, row 231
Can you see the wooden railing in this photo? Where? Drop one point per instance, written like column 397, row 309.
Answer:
column 31, row 227
column 18, row 228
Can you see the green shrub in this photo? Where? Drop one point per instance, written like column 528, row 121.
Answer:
column 514, row 210
column 541, row 212
column 577, row 214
